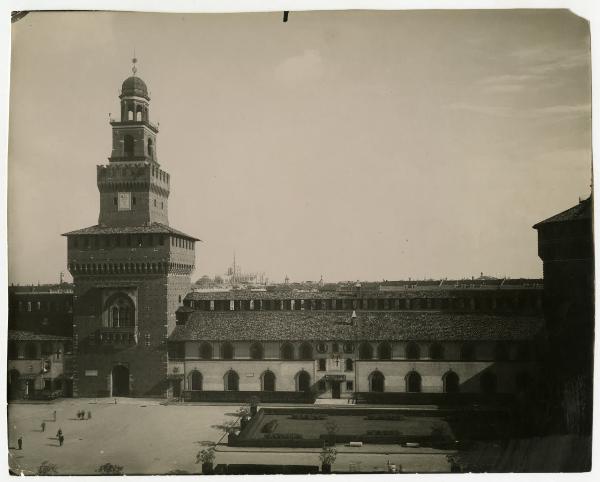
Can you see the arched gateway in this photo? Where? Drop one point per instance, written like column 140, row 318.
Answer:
column 120, row 381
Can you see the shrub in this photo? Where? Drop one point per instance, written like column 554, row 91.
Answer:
column 110, row 469
column 206, row 456
column 331, row 427
column 46, row 468
column 328, row 455
column 269, row 427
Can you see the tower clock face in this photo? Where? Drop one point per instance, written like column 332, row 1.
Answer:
column 124, row 201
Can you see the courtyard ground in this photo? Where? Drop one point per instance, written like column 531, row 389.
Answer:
column 146, row 437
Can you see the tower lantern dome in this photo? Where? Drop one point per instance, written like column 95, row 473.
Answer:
column 134, row 86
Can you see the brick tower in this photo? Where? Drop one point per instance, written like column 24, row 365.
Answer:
column 131, row 270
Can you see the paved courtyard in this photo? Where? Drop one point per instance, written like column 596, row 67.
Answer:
column 146, row 437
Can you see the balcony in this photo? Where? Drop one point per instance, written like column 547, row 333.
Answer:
column 122, row 336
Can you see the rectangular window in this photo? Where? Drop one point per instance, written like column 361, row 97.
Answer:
column 47, row 384
column 115, row 201
column 133, row 201
column 38, row 305
column 350, row 386
column 231, row 305
column 322, row 364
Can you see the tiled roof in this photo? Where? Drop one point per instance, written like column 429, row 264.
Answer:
column 581, row 211
column 153, row 228
column 368, row 325
column 18, row 335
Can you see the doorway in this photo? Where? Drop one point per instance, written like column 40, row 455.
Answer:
column 120, row 381
column 335, row 390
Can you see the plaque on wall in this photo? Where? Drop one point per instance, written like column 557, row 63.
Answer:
column 124, row 201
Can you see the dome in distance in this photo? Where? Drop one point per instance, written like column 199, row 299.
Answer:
column 134, row 86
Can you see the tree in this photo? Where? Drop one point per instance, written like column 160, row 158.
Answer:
column 46, row 468
column 110, row 469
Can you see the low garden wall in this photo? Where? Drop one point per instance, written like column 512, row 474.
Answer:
column 440, row 399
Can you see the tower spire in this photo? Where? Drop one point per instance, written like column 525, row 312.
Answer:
column 134, row 61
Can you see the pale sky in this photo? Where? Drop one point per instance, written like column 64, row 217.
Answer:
column 353, row 145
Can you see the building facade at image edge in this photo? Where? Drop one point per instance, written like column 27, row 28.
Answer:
column 131, row 270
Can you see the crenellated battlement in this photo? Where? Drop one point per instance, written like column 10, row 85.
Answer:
column 139, row 176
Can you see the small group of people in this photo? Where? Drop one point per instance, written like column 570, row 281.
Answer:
column 81, row 415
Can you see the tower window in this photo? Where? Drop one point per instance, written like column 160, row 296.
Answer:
column 162, row 206
column 128, row 145
column 155, row 203
column 150, row 148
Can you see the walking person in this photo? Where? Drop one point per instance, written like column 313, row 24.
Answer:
column 61, row 439
column 55, row 415
column 59, row 433
column 89, row 414
column 20, row 443
column 43, row 426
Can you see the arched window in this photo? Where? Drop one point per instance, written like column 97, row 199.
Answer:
column 206, row 351
column 287, row 351
column 13, row 350
column 306, row 351
column 501, row 351
column 303, row 381
column 349, row 364
column 138, row 114
column 256, row 351
column 451, row 382
column 377, row 381
column 128, row 145
column 467, row 352
column 130, row 114
column 268, row 381
column 195, row 380
column 385, row 351
column 489, row 382
column 31, row 351
column 436, row 351
column 227, row 352
column 365, row 351
column 150, row 148
column 413, row 382
column 232, row 381
column 413, row 352
column 121, row 311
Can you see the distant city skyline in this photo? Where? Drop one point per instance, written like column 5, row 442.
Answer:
column 353, row 145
